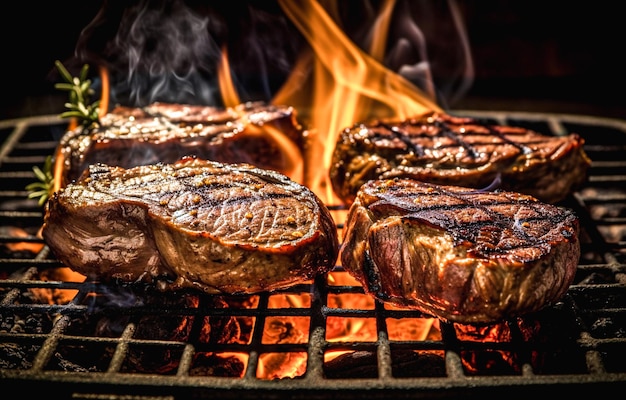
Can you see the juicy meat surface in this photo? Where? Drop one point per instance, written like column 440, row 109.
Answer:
column 165, row 132
column 448, row 150
column 222, row 228
column 461, row 255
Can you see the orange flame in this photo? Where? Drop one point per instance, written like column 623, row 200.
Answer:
column 293, row 164
column 55, row 295
column 225, row 79
column 104, row 97
column 345, row 86
column 33, row 247
column 333, row 87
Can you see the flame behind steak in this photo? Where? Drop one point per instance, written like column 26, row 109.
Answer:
column 222, row 228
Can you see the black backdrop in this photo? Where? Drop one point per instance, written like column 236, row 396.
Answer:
column 541, row 52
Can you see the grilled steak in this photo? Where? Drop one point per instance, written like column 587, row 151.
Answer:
column 222, row 228
column 462, row 255
column 163, row 132
column 450, row 150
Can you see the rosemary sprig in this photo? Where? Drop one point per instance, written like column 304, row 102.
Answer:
column 42, row 188
column 81, row 108
column 80, row 92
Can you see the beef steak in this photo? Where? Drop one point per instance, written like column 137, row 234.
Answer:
column 164, row 132
column 222, row 228
column 449, row 150
column 462, row 255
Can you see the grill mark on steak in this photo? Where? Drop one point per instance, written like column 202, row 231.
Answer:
column 404, row 137
column 471, row 148
column 524, row 148
column 445, row 216
column 446, row 131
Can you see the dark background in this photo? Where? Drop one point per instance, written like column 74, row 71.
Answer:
column 548, row 56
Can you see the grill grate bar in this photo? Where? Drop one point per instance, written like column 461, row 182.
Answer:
column 103, row 340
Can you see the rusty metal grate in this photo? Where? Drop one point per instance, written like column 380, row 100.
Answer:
column 117, row 342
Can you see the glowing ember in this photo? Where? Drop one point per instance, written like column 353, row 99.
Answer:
column 481, row 361
column 33, row 247
column 413, row 329
column 219, row 364
column 55, row 295
column 281, row 365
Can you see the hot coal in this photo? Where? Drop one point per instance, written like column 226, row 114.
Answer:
column 404, row 363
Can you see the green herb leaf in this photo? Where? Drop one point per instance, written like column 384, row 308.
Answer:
column 80, row 92
column 43, row 187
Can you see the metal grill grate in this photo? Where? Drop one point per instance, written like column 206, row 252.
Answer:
column 88, row 340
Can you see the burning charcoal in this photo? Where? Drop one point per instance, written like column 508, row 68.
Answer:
column 157, row 315
column 220, row 330
column 149, row 359
column 404, row 363
column 357, row 364
column 281, row 365
column 68, row 366
column 605, row 327
column 278, row 330
column 209, row 364
column 490, row 362
column 246, row 324
column 31, row 323
column 407, row 364
column 15, row 356
column 498, row 362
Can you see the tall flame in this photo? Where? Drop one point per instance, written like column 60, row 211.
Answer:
column 344, row 86
column 293, row 159
column 225, row 79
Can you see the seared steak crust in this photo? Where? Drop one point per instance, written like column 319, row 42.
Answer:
column 222, row 228
column 457, row 254
column 448, row 150
column 164, row 132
